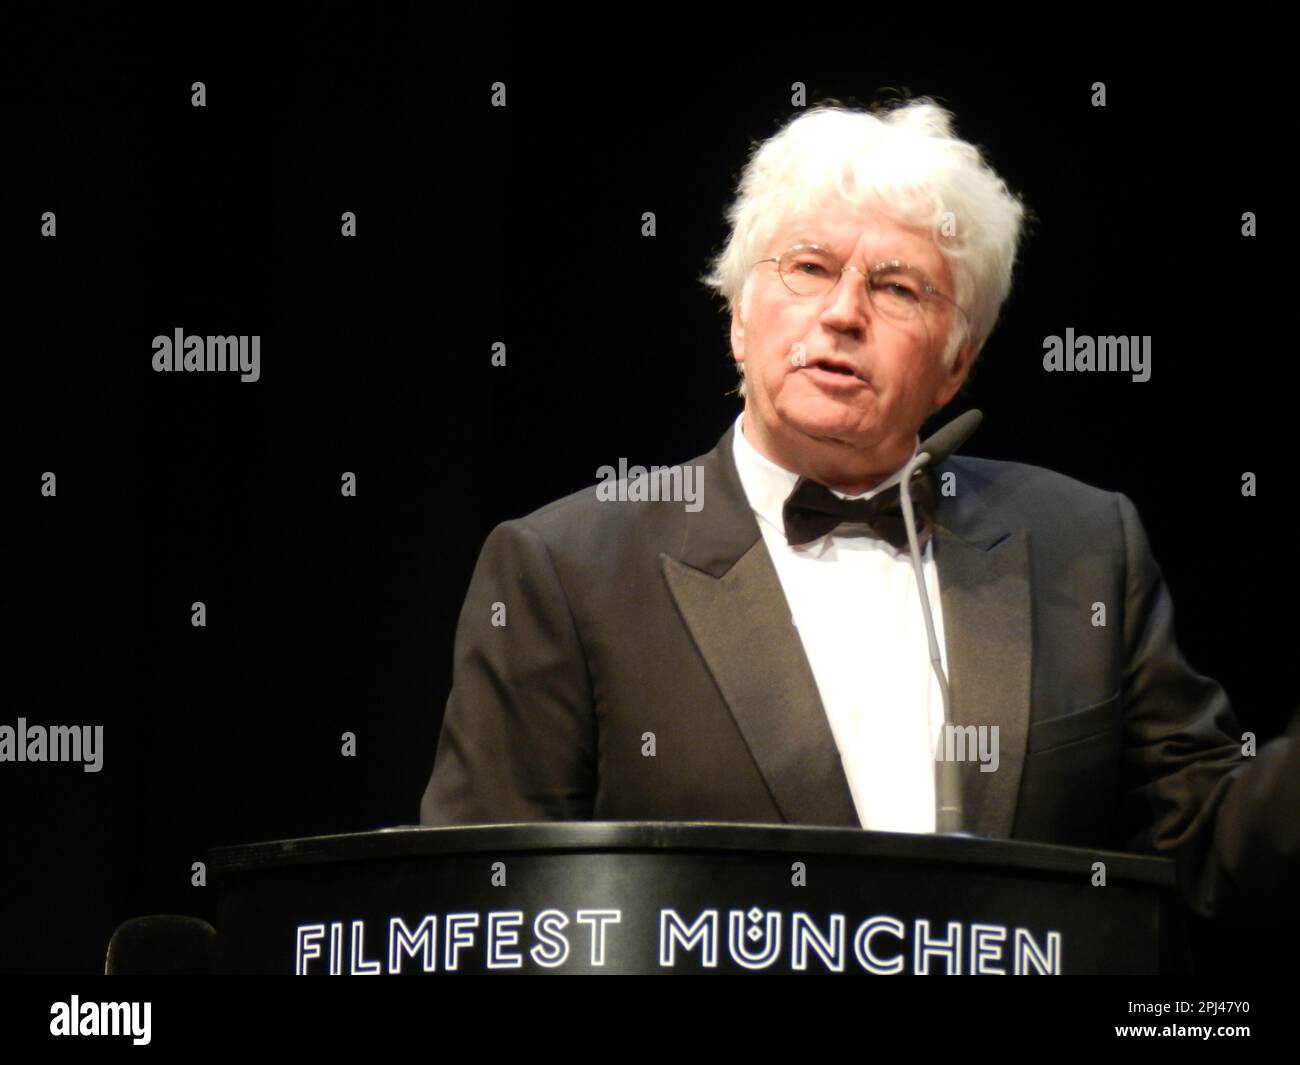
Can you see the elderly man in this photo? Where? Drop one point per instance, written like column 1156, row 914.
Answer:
column 763, row 658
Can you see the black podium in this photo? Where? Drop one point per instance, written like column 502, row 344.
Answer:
column 639, row 897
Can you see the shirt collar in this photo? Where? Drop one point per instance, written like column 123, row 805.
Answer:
column 767, row 485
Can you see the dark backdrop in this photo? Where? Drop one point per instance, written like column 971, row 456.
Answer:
column 519, row 225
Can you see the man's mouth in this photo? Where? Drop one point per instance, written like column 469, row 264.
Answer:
column 834, row 372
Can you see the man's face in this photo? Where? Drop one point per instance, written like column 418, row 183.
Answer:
column 847, row 431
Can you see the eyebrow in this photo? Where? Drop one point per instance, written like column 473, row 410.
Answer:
column 887, row 257
column 823, row 244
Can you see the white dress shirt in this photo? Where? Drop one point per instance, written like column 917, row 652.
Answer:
column 855, row 605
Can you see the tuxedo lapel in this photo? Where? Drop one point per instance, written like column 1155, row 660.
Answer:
column 984, row 588
column 728, row 593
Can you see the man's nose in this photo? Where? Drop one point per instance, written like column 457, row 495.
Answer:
column 850, row 307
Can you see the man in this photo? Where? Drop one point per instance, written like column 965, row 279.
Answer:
column 751, row 660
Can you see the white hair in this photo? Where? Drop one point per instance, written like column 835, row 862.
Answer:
column 908, row 163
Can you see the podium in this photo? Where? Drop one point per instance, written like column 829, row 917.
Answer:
column 688, row 898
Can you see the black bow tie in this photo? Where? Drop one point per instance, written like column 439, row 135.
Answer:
column 812, row 510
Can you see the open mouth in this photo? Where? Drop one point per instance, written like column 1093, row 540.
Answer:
column 826, row 371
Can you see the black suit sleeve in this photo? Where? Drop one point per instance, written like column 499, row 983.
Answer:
column 1231, row 823
column 518, row 738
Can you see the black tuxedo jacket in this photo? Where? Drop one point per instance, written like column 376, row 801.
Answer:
column 624, row 619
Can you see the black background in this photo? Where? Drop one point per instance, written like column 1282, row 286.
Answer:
column 520, row 225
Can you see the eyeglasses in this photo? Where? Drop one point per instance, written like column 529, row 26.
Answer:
column 896, row 289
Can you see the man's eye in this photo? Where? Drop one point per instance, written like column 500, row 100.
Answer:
column 813, row 268
column 898, row 289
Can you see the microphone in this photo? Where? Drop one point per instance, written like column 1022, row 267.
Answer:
column 948, row 812
column 162, row 945
column 948, row 439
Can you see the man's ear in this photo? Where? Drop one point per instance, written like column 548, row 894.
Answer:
column 737, row 336
column 956, row 376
